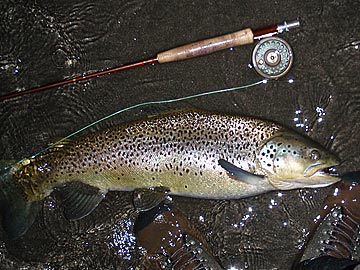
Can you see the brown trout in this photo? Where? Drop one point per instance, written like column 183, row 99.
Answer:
column 188, row 153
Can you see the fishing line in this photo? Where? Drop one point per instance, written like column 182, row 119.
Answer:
column 156, row 102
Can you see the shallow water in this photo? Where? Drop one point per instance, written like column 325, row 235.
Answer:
column 45, row 42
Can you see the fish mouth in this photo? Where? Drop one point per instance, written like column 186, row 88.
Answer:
column 316, row 176
column 321, row 169
column 320, row 175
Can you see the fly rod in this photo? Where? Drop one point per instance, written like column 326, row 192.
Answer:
column 203, row 47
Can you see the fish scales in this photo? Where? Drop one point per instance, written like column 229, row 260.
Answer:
column 182, row 148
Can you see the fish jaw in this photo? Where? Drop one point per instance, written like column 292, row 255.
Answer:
column 314, row 176
column 318, row 180
column 322, row 168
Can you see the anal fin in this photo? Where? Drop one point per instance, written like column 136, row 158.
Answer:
column 79, row 200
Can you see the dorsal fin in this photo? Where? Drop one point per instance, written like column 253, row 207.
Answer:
column 59, row 142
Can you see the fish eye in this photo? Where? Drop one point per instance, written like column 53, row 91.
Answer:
column 315, row 154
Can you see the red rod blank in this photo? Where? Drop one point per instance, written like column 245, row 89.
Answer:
column 78, row 79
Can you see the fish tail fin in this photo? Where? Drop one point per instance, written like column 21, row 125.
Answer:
column 16, row 212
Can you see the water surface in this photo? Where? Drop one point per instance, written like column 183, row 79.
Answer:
column 43, row 42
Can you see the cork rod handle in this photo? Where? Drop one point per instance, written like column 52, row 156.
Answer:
column 207, row 46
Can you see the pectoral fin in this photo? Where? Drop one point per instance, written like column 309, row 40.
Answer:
column 79, row 199
column 145, row 199
column 240, row 174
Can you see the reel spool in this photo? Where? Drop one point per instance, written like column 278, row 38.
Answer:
column 272, row 57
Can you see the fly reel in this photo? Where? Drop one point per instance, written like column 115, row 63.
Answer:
column 272, row 57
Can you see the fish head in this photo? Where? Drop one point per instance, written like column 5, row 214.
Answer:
column 293, row 161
